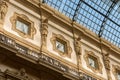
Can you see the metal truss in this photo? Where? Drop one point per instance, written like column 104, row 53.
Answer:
column 100, row 16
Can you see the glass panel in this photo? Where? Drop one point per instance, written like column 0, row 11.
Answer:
column 92, row 62
column 60, row 46
column 67, row 7
column 112, row 32
column 22, row 26
column 89, row 18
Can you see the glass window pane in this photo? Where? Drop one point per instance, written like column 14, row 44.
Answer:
column 60, row 46
column 22, row 27
column 92, row 62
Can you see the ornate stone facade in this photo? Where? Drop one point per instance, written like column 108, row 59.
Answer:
column 39, row 58
column 107, row 65
column 77, row 45
column 44, row 33
column 37, row 52
column 106, row 61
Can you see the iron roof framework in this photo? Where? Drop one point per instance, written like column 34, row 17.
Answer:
column 100, row 16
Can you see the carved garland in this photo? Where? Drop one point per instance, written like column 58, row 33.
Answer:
column 68, row 48
column 32, row 30
column 115, row 69
column 86, row 57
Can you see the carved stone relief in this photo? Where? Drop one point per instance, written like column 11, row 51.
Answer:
column 77, row 47
column 44, row 33
column 106, row 61
column 3, row 10
column 107, row 64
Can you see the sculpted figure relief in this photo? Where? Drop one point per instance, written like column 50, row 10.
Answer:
column 78, row 46
column 107, row 61
column 44, row 32
column 3, row 10
column 107, row 65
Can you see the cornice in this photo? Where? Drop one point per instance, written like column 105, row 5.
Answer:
column 68, row 63
column 113, row 50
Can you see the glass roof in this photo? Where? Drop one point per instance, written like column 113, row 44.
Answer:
column 100, row 16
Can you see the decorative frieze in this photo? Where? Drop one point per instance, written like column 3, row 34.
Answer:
column 7, row 41
column 38, row 57
column 86, row 77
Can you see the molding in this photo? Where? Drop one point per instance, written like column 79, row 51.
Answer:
column 92, row 74
column 99, row 67
column 64, row 61
column 32, row 30
column 68, row 49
